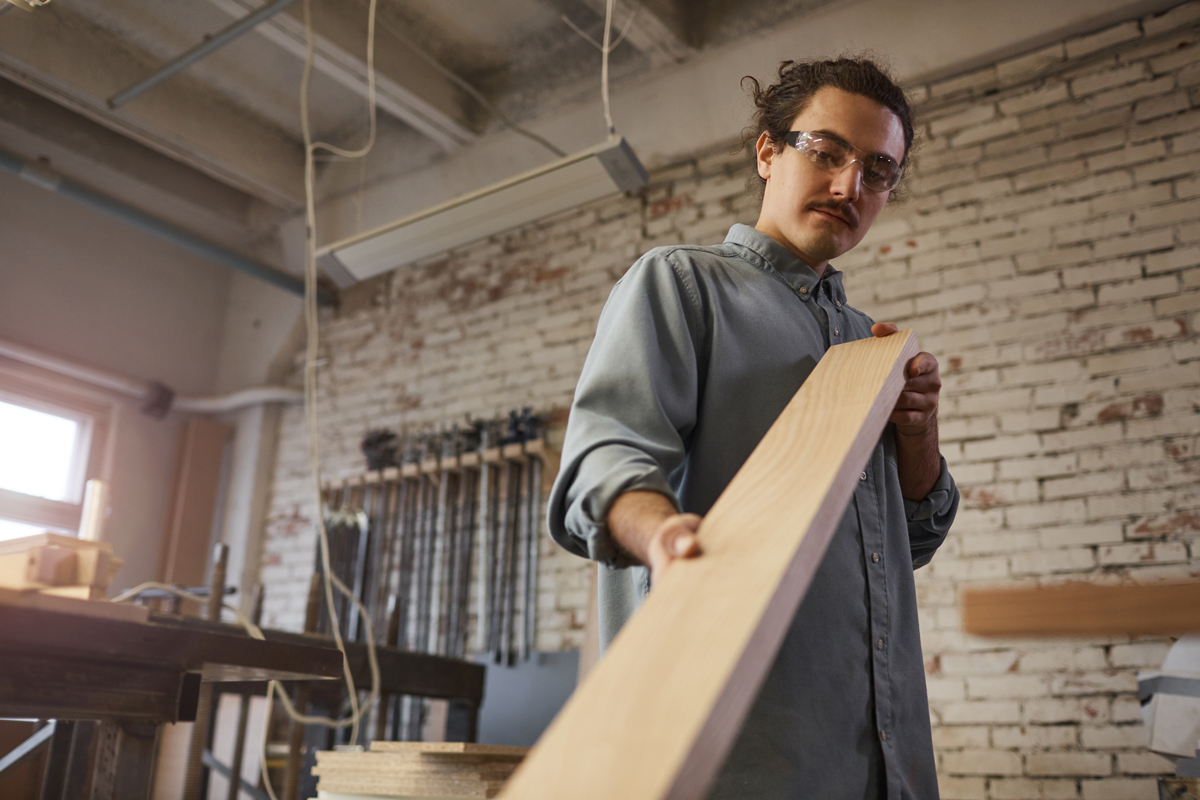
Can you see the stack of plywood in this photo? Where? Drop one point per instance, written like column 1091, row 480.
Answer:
column 60, row 565
column 417, row 770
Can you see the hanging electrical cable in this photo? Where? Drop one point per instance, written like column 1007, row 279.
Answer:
column 467, row 87
column 605, row 48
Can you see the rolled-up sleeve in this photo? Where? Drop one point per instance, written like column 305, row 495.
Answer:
column 634, row 407
column 929, row 519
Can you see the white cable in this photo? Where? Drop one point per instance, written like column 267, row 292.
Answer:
column 605, row 48
column 604, row 51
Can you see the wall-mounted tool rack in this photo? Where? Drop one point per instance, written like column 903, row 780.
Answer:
column 417, row 541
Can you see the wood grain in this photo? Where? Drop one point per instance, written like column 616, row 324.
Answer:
column 657, row 716
column 1083, row 609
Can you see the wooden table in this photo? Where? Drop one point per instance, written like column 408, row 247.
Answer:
column 131, row 671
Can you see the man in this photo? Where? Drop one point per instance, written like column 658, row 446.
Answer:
column 697, row 352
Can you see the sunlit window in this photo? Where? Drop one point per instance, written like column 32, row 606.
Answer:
column 37, row 451
column 42, row 455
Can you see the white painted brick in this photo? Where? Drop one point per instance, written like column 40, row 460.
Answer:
column 1184, row 14
column 981, row 711
column 1026, row 788
column 1046, row 562
column 1005, row 687
column 1146, row 553
column 1076, row 535
column 1120, row 789
column 1107, row 79
column 982, row 762
column 1108, row 37
column 1144, row 764
column 1035, row 736
column 952, row 787
column 1094, row 764
column 1112, row 737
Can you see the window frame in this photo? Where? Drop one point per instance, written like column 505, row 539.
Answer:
column 39, row 390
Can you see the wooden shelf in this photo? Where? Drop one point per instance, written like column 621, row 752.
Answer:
column 494, row 455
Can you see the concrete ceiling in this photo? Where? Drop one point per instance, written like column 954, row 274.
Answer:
column 218, row 149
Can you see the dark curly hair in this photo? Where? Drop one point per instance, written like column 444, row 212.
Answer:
column 778, row 104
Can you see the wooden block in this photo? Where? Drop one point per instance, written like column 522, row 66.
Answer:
column 391, row 473
column 657, row 716
column 15, row 571
column 410, row 470
column 76, row 592
column 68, row 605
column 58, row 540
column 54, row 566
column 1083, row 609
column 470, row 459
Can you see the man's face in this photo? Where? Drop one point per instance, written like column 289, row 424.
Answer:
column 820, row 215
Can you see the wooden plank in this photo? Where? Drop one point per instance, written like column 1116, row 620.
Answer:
column 1083, row 609
column 657, row 716
column 185, row 550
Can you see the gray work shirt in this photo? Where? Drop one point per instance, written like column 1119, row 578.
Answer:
column 697, row 352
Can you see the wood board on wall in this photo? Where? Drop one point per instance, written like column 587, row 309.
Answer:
column 657, row 716
column 1083, row 609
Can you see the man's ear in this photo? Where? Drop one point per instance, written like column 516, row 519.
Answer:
column 765, row 153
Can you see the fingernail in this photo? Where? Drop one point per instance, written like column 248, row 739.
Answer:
column 682, row 544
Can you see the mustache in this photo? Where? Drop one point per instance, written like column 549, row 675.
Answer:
column 844, row 210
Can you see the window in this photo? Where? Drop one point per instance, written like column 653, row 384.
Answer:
column 46, row 455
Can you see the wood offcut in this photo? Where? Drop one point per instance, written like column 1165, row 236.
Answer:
column 1083, row 609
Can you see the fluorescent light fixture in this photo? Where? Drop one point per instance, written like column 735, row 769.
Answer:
column 571, row 181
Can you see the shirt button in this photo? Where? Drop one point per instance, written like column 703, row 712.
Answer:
column 883, row 736
column 879, row 644
column 803, row 290
column 862, row 476
column 836, row 332
column 875, row 558
column 837, row 303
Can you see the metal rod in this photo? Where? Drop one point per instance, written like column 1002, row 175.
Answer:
column 483, row 629
column 513, row 515
column 404, row 587
column 211, row 43
column 39, row 738
column 529, row 640
column 356, row 623
column 438, row 558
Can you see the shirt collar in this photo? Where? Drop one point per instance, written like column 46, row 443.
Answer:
column 770, row 255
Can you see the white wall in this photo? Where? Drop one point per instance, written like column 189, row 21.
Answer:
column 77, row 284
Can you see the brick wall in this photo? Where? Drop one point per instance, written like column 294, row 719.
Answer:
column 1049, row 257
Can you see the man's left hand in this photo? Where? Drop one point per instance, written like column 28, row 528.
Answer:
column 915, row 413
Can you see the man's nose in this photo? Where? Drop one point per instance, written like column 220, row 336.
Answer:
column 848, row 182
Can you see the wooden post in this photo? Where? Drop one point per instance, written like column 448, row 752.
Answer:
column 658, row 714
column 194, row 784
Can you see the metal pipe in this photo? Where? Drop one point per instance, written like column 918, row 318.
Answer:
column 52, row 181
column 211, row 43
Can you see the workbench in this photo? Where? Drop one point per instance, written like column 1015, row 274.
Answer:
column 135, row 669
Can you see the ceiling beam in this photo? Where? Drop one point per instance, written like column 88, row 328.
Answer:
column 60, row 54
column 407, row 85
column 35, row 127
column 649, row 32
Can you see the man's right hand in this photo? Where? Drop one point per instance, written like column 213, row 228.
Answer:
column 649, row 528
